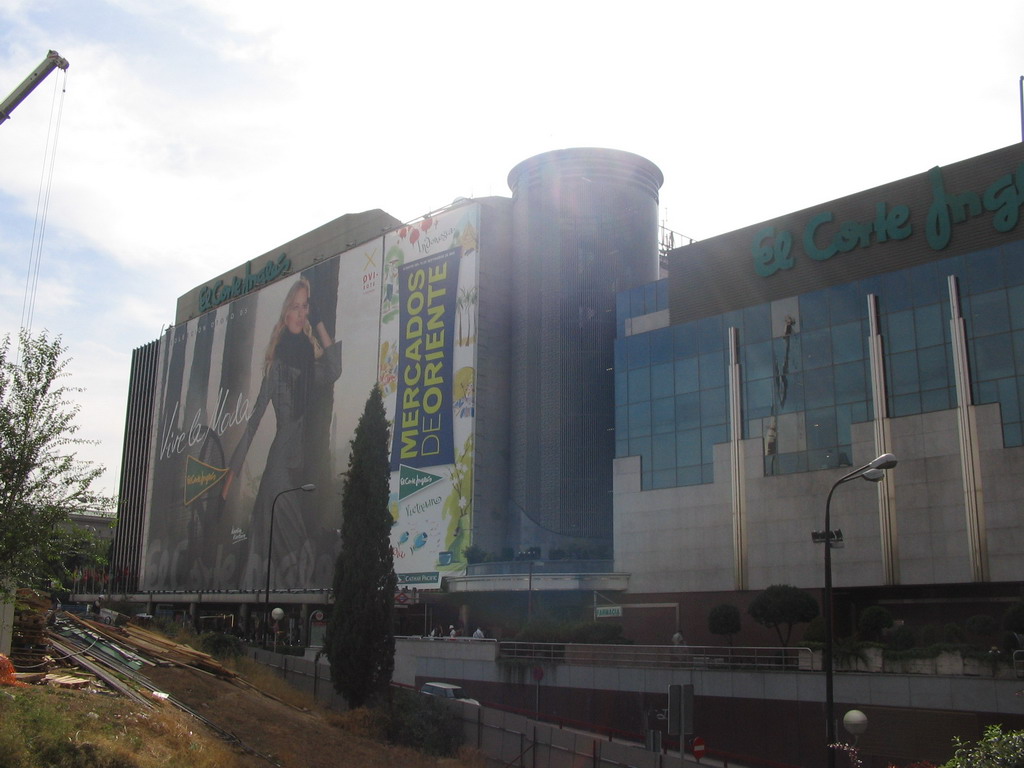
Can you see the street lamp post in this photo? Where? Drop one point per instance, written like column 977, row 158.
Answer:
column 872, row 471
column 308, row 487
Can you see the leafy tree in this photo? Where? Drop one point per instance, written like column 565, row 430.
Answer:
column 360, row 638
column 983, row 625
column 41, row 479
column 993, row 749
column 724, row 620
column 782, row 605
column 873, row 620
column 1013, row 619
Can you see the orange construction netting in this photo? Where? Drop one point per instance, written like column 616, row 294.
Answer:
column 7, row 672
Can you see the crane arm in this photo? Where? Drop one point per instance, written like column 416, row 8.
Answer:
column 52, row 61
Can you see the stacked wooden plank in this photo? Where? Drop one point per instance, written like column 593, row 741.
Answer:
column 157, row 648
column 29, row 647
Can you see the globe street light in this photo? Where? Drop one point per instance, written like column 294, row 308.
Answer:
column 270, row 550
column 871, row 471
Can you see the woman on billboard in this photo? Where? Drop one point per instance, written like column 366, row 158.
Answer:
column 301, row 358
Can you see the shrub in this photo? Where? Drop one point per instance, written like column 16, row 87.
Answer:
column 872, row 621
column 903, row 638
column 1013, row 619
column 424, row 723
column 930, row 634
column 542, row 630
column 953, row 634
column 782, row 605
column 994, row 748
column 724, row 620
column 815, row 630
column 597, row 632
column 221, row 645
column 983, row 625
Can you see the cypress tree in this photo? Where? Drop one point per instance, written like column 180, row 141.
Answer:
column 360, row 638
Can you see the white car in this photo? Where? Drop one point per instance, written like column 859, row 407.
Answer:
column 447, row 691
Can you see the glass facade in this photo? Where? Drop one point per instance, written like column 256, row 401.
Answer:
column 805, row 372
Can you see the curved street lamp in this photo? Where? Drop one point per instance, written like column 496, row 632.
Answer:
column 873, row 471
column 308, row 487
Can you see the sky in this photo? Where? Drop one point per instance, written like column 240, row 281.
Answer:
column 196, row 135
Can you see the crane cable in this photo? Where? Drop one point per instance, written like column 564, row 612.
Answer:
column 42, row 207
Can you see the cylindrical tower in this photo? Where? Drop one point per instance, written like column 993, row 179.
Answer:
column 584, row 227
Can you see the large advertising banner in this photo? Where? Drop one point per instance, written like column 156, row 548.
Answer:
column 427, row 374
column 256, row 399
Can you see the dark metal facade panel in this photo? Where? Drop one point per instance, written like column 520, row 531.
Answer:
column 719, row 274
column 131, row 509
column 584, row 228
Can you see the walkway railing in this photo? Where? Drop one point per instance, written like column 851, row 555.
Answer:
column 661, row 656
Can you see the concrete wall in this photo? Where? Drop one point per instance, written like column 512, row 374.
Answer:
column 681, row 539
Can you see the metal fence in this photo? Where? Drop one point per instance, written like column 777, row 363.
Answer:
column 659, row 656
column 512, row 740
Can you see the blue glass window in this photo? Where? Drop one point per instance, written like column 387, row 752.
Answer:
column 662, row 294
column 929, row 326
column 757, row 360
column 1013, row 264
column 993, row 357
column 848, row 342
column 685, row 338
column 639, row 420
column 984, row 271
column 663, row 415
column 664, row 478
column 621, row 388
column 899, row 333
column 689, row 476
column 661, row 345
column 928, row 285
column 846, row 304
column 664, row 450
column 817, row 348
column 710, row 334
column 937, row 400
column 687, row 375
column 896, row 293
column 757, row 323
column 640, row 385
column 662, row 381
column 688, row 411
column 650, row 299
column 757, row 401
column 935, row 368
column 987, row 313
column 712, row 370
column 903, row 373
column 638, row 350
column 813, row 311
column 819, row 388
column 688, row 447
column 1015, row 296
column 713, row 408
column 709, row 438
column 641, row 446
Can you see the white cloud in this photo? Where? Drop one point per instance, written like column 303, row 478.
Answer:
column 198, row 134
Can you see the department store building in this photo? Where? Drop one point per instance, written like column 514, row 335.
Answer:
column 651, row 433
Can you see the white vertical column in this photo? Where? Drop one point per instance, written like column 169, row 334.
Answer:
column 883, row 440
column 970, row 462
column 737, row 480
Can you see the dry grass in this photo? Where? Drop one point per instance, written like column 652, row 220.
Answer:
column 42, row 725
column 268, row 681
